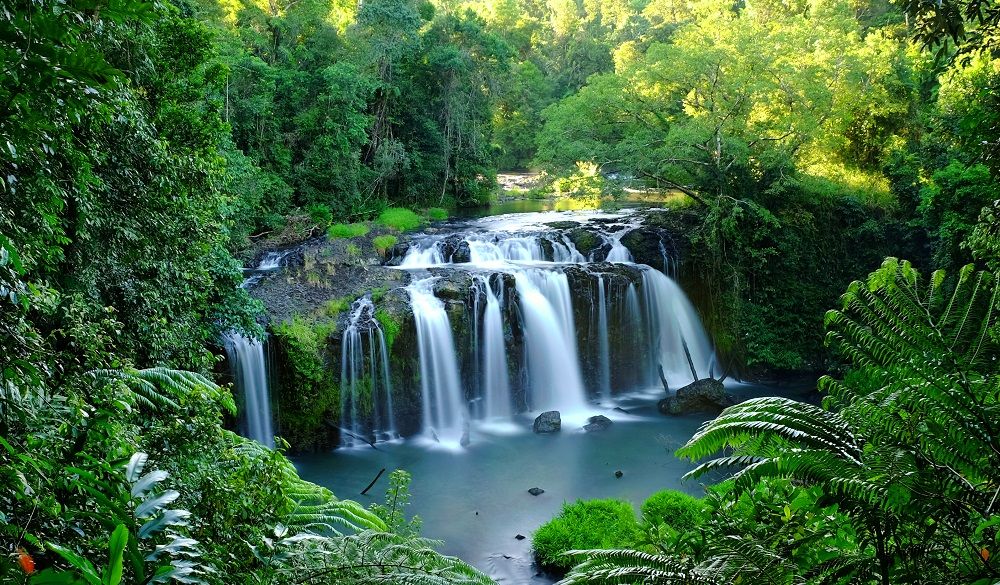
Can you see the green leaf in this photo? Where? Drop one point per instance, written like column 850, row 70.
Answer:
column 116, row 550
column 86, row 569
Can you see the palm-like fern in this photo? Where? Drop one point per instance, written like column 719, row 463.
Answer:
column 378, row 557
column 159, row 388
column 915, row 432
column 309, row 507
column 730, row 560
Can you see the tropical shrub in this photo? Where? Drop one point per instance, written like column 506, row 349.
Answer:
column 676, row 509
column 400, row 218
column 584, row 524
column 437, row 213
column 384, row 242
column 347, row 230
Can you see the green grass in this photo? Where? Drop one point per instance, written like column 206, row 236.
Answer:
column 347, row 230
column 390, row 326
column 590, row 524
column 399, row 218
column 675, row 509
column 437, row 213
column 334, row 307
column 384, row 242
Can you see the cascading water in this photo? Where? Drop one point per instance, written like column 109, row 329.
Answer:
column 445, row 412
column 603, row 343
column 492, row 352
column 630, row 320
column 366, row 389
column 249, row 365
column 553, row 365
column 672, row 323
column 249, row 369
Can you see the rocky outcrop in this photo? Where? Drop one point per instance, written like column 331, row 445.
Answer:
column 597, row 423
column 548, row 422
column 707, row 395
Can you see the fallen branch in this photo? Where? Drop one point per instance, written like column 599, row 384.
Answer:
column 365, row 491
column 687, row 352
column 358, row 437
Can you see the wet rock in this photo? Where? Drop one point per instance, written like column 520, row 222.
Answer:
column 452, row 287
column 597, row 423
column 707, row 395
column 465, row 440
column 536, row 491
column 585, row 240
column 619, row 474
column 462, row 253
column 548, row 422
column 563, row 225
column 622, row 410
column 520, row 537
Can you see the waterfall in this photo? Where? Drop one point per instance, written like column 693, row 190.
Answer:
column 553, row 365
column 618, row 252
column 492, row 352
column 443, row 404
column 365, row 386
column 671, row 322
column 634, row 318
column 247, row 360
column 603, row 343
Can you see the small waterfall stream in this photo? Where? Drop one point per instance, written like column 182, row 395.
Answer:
column 365, row 383
column 445, row 414
column 493, row 356
column 549, row 331
column 248, row 362
column 249, row 369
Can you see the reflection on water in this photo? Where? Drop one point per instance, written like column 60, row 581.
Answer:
column 569, row 204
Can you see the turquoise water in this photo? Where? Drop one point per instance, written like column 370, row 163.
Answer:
column 476, row 499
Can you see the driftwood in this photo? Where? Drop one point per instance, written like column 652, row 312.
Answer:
column 358, row 437
column 365, row 491
column 663, row 379
column 687, row 352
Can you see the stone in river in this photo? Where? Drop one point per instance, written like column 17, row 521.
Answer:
column 548, row 422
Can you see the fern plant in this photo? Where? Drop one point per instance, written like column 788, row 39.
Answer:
column 908, row 443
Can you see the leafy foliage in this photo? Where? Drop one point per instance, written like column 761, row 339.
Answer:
column 584, row 524
column 915, row 419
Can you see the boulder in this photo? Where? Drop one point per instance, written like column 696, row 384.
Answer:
column 597, row 423
column 707, row 395
column 563, row 225
column 585, row 240
column 548, row 422
column 619, row 474
column 536, row 491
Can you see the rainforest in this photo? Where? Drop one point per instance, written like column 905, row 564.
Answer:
column 499, row 291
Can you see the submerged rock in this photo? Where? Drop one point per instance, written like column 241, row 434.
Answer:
column 548, row 422
column 619, row 474
column 536, row 491
column 706, row 395
column 466, row 439
column 563, row 225
column 597, row 423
